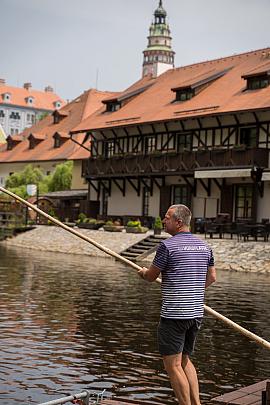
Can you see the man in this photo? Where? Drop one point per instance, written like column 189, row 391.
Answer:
column 186, row 264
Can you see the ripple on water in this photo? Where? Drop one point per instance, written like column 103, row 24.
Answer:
column 70, row 322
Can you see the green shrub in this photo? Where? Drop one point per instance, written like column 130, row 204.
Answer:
column 81, row 218
column 109, row 223
column 158, row 223
column 134, row 224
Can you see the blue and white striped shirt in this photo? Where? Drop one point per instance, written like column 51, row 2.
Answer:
column 183, row 261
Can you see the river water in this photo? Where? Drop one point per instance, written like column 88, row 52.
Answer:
column 72, row 322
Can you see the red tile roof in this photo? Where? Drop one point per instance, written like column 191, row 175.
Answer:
column 225, row 94
column 44, row 100
column 44, row 130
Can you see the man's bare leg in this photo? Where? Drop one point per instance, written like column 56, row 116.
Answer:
column 178, row 378
column 192, row 378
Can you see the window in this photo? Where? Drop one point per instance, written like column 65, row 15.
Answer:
column 14, row 115
column 145, row 201
column 2, row 114
column 184, row 142
column 150, row 144
column 248, row 136
column 111, row 107
column 243, row 202
column 181, row 195
column 259, row 82
column 57, row 142
column 109, row 149
column 184, row 95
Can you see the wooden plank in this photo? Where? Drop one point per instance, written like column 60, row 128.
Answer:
column 250, row 395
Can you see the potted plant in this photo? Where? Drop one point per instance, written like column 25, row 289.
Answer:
column 135, row 227
column 111, row 226
column 91, row 223
column 158, row 226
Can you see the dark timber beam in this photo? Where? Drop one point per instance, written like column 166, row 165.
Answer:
column 122, row 187
column 153, row 129
column 199, row 123
column 192, row 186
column 136, row 188
column 166, row 127
column 207, row 186
column 236, row 119
column 182, row 125
column 78, row 143
column 93, row 185
column 107, row 187
column 219, row 185
column 219, row 122
column 104, row 136
column 256, row 117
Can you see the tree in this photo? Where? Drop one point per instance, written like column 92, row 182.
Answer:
column 17, row 182
column 61, row 178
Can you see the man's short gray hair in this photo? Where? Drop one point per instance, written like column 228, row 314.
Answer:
column 181, row 212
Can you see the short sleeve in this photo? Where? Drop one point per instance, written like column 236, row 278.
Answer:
column 211, row 259
column 161, row 258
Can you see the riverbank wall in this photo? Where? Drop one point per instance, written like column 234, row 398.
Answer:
column 231, row 255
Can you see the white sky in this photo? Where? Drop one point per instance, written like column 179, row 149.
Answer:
column 64, row 43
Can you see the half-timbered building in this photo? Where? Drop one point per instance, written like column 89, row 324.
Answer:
column 197, row 135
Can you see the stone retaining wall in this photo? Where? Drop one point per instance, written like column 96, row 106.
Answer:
column 229, row 254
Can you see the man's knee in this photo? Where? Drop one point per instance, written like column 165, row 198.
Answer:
column 185, row 360
column 172, row 363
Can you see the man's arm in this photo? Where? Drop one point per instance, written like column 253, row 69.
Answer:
column 211, row 276
column 150, row 274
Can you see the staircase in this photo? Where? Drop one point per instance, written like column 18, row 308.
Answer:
column 143, row 248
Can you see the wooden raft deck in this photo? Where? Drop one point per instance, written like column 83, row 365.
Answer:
column 251, row 395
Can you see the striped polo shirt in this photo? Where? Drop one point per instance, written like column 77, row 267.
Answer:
column 183, row 261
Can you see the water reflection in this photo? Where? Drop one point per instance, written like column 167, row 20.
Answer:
column 73, row 322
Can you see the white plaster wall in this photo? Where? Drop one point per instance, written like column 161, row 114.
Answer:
column 78, row 182
column 131, row 204
column 202, row 205
column 263, row 208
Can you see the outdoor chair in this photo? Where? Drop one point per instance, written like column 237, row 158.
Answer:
column 242, row 231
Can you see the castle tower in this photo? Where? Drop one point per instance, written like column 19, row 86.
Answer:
column 158, row 56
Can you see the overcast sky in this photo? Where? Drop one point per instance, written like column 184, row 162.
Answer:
column 73, row 45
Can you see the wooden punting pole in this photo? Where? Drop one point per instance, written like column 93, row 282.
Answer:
column 260, row 341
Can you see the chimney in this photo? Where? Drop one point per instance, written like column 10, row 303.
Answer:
column 2, row 82
column 27, row 86
column 48, row 89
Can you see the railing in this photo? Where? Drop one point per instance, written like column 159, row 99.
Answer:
column 83, row 398
column 173, row 162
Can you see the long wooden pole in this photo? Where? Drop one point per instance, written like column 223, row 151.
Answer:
column 262, row 342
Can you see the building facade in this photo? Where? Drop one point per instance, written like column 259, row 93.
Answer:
column 21, row 108
column 197, row 135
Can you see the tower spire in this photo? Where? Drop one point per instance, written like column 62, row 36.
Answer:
column 158, row 56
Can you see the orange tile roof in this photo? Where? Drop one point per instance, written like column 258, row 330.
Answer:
column 43, row 100
column 223, row 95
column 45, row 129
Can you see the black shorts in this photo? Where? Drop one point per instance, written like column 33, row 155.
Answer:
column 177, row 335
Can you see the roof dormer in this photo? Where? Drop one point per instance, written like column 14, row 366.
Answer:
column 30, row 100
column 258, row 78
column 60, row 138
column 13, row 141
column 34, row 139
column 59, row 116
column 57, row 104
column 6, row 97
column 192, row 87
